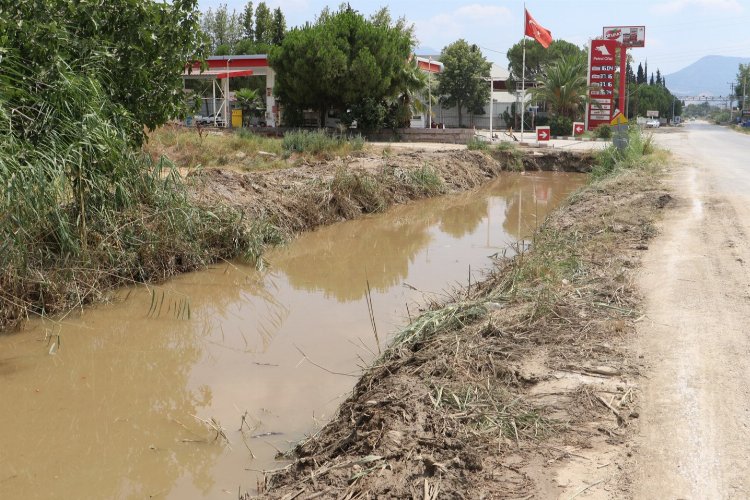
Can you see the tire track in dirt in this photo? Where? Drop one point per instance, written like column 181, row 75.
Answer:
column 693, row 439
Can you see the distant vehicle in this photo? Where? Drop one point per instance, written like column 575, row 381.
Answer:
column 652, row 124
column 209, row 120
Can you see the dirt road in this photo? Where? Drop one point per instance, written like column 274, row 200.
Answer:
column 693, row 440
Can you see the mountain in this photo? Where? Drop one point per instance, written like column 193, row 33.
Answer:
column 709, row 75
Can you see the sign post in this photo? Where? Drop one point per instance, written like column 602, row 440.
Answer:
column 626, row 36
column 542, row 134
column 578, row 128
column 601, row 82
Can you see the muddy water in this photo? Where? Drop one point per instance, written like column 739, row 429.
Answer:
column 112, row 402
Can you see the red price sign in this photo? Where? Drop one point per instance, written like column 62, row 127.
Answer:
column 602, row 81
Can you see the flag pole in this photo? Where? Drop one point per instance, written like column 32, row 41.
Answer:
column 523, row 72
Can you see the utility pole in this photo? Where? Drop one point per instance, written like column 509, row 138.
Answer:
column 731, row 100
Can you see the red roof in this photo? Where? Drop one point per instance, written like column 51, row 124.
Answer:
column 217, row 73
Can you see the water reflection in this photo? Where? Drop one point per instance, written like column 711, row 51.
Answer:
column 113, row 414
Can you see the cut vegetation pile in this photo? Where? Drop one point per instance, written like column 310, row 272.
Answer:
column 478, row 395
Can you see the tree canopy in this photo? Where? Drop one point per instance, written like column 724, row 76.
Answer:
column 136, row 49
column 341, row 60
column 537, row 57
column 254, row 30
column 463, row 82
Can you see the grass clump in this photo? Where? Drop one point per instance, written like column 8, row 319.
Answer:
column 477, row 144
column 353, row 192
column 317, row 142
column 83, row 208
column 612, row 159
column 512, row 155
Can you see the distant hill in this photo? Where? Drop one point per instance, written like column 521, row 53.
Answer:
column 709, row 75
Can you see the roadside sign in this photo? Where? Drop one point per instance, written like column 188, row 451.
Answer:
column 601, row 81
column 628, row 36
column 578, row 128
column 542, row 134
column 619, row 119
column 652, row 114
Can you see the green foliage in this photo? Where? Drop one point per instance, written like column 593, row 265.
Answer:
column 340, row 61
column 603, row 131
column 537, row 58
column 477, row 144
column 561, row 126
column 139, row 46
column 656, row 97
column 563, row 86
column 463, row 80
column 82, row 207
column 318, row 141
column 252, row 31
column 263, row 23
column 251, row 103
column 612, row 159
column 369, row 114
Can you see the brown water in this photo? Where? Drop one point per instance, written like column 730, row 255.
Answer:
column 112, row 412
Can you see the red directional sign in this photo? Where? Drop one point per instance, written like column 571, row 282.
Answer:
column 578, row 128
column 601, row 81
column 542, row 134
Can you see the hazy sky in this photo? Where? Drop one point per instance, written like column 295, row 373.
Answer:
column 678, row 32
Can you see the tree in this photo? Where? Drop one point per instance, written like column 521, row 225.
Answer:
column 640, row 76
column 658, row 77
column 563, row 86
column 140, row 49
column 536, row 58
column 251, row 103
column 278, row 27
column 742, row 86
column 248, row 23
column 263, row 24
column 652, row 81
column 462, row 81
column 340, row 61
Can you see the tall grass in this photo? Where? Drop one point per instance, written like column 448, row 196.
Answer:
column 612, row 159
column 319, row 141
column 82, row 208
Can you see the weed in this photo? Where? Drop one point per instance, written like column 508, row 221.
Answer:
column 477, row 144
column 318, row 141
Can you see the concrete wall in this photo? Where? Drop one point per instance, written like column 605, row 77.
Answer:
column 450, row 136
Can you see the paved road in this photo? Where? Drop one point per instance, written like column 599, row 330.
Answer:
column 694, row 439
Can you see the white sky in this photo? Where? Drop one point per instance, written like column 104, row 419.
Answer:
column 678, row 32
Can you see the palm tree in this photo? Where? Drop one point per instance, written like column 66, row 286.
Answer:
column 410, row 84
column 563, row 86
column 251, row 104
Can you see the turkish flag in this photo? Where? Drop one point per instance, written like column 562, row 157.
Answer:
column 537, row 32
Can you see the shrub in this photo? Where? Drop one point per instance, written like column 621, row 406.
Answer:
column 319, row 141
column 561, row 126
column 477, row 144
column 603, row 131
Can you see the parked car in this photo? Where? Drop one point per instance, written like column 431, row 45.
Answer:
column 209, row 120
column 652, row 123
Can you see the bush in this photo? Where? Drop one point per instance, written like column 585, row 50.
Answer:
column 561, row 126
column 603, row 131
column 319, row 141
column 612, row 159
column 477, row 144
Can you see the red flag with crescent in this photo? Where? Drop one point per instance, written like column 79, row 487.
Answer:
column 537, row 31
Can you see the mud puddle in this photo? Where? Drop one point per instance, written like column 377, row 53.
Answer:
column 118, row 402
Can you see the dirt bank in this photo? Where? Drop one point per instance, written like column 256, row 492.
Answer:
column 498, row 393
column 320, row 193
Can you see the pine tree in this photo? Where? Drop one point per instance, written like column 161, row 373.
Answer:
column 658, row 77
column 651, row 82
column 248, row 24
column 641, row 76
column 263, row 23
column 278, row 27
